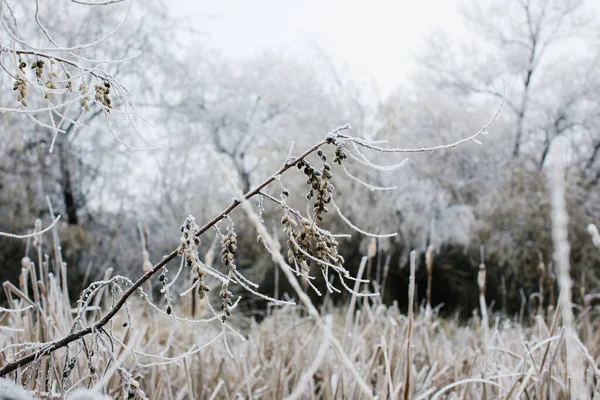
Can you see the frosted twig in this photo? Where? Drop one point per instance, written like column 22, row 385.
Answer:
column 330, row 287
column 289, row 155
column 177, row 274
column 16, row 310
column 242, row 277
column 114, row 134
column 357, row 229
column 30, row 235
column 166, row 360
column 63, row 48
column 213, row 272
column 188, row 291
column 365, row 184
column 459, row 142
column 362, row 159
column 9, row 329
column 262, row 296
column 351, row 291
column 38, row 110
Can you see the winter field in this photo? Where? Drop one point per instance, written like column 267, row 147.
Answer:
column 318, row 200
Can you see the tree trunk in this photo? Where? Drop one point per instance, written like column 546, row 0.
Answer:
column 66, row 181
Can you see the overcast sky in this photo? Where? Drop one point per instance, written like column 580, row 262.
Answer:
column 373, row 39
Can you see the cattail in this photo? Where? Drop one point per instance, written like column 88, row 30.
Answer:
column 542, row 278
column 372, row 248
column 411, row 299
column 429, row 267
column 593, row 231
column 37, row 227
column 386, row 270
column 503, row 291
column 551, row 282
column 371, row 251
column 146, row 265
column 481, row 276
column 562, row 250
column 481, row 279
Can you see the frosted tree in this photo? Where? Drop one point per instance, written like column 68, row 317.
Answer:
column 528, row 45
column 544, row 53
column 67, row 64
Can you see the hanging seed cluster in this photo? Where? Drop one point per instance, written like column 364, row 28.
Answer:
column 319, row 183
column 340, row 154
column 50, row 84
column 227, row 298
column 228, row 259
column 312, row 243
column 326, row 248
column 102, row 94
column 294, row 255
column 20, row 85
column 190, row 240
column 69, row 367
column 164, row 281
column 310, row 240
column 229, row 249
column 83, row 89
column 69, row 84
column 38, row 67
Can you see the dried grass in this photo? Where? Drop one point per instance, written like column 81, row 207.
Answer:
column 291, row 350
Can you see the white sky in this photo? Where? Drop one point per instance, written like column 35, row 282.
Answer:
column 373, row 39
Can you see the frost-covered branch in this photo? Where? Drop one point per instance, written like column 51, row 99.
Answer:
column 309, row 244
